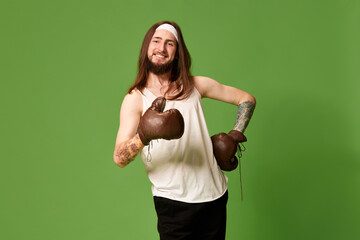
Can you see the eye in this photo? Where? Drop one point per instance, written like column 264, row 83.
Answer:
column 170, row 44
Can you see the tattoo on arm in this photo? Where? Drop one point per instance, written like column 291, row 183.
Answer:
column 128, row 152
column 244, row 113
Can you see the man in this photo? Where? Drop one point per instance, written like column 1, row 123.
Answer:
column 189, row 188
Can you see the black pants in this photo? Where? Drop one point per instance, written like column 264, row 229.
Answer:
column 191, row 221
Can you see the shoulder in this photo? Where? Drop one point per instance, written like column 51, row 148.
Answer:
column 132, row 101
column 201, row 80
column 204, row 84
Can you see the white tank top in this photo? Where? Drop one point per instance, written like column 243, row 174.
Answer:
column 184, row 169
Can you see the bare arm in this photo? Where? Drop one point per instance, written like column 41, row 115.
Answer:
column 245, row 101
column 127, row 151
column 128, row 145
column 244, row 113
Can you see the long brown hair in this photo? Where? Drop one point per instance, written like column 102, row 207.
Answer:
column 180, row 74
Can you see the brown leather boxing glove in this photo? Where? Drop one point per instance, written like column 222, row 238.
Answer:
column 225, row 147
column 156, row 124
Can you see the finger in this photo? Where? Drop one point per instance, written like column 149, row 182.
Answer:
column 158, row 104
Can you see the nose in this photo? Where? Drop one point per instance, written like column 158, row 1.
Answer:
column 162, row 47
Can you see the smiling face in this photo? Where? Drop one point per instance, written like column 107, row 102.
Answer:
column 162, row 47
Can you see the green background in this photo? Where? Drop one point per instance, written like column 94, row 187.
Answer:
column 65, row 68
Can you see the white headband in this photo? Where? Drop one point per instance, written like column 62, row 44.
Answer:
column 169, row 28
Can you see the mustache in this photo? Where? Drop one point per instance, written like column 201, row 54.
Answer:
column 162, row 53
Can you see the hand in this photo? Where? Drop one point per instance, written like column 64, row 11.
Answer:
column 156, row 124
column 225, row 147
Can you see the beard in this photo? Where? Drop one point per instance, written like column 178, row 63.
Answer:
column 159, row 69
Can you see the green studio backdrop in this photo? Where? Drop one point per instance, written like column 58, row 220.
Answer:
column 65, row 68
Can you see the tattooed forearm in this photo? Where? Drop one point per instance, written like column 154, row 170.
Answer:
column 128, row 151
column 244, row 113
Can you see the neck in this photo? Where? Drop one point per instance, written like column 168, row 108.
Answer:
column 158, row 81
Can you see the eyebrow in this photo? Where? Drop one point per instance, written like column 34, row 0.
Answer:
column 169, row 40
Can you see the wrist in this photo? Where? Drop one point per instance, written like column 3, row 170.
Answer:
column 139, row 142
